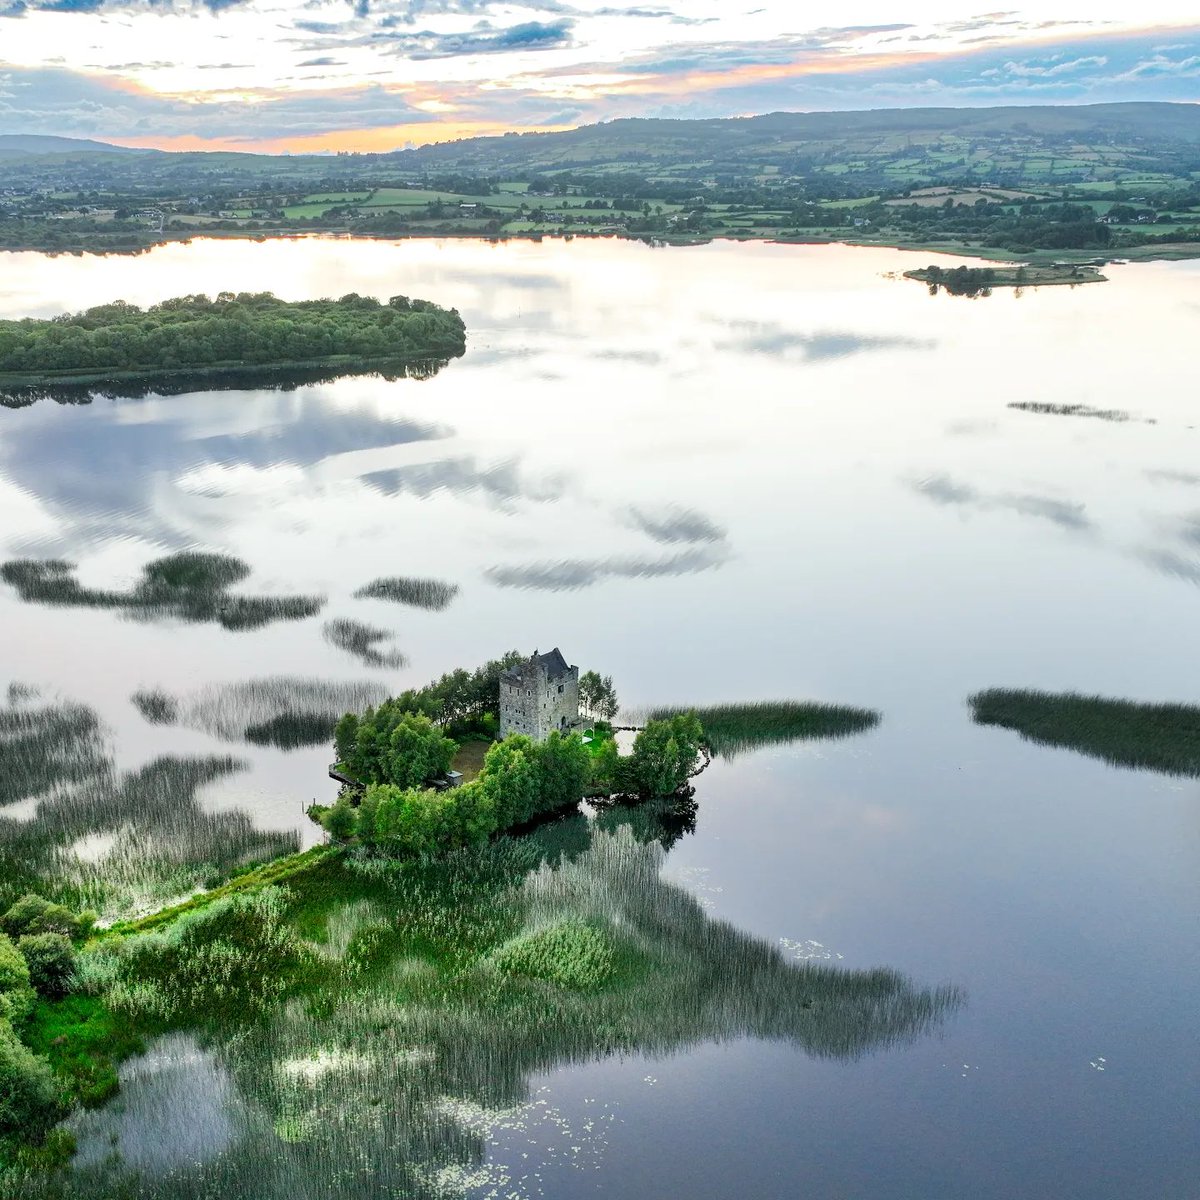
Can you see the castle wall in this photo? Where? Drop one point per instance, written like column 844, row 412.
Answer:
column 536, row 704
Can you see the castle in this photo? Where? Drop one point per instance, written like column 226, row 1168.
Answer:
column 539, row 695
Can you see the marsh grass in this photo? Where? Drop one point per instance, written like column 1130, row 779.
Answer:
column 430, row 594
column 733, row 729
column 1070, row 410
column 367, row 1018
column 190, row 586
column 569, row 953
column 156, row 841
column 363, row 642
column 279, row 710
column 1125, row 733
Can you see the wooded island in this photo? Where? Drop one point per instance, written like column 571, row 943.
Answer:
column 234, row 332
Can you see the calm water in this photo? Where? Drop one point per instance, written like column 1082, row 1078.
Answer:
column 878, row 527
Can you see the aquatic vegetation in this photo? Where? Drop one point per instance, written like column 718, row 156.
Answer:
column 732, row 729
column 570, row 953
column 281, row 710
column 406, row 1008
column 432, row 594
column 46, row 746
column 1070, row 410
column 362, row 641
column 155, row 841
column 1125, row 733
column 190, row 586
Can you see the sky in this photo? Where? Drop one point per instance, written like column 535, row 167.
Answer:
column 327, row 75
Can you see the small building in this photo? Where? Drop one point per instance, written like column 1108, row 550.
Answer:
column 539, row 695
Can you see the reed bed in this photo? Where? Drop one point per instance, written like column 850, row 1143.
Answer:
column 363, row 642
column 380, row 1022
column 279, row 710
column 1124, row 733
column 430, row 594
column 151, row 839
column 733, row 729
column 190, row 586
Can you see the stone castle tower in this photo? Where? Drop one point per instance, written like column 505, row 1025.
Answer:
column 539, row 695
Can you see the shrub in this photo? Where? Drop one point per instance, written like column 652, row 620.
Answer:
column 29, row 1095
column 16, row 996
column 340, row 820
column 33, row 914
column 51, row 961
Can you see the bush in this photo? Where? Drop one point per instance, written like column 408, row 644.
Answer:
column 51, row 961
column 33, row 914
column 29, row 1095
column 340, row 820
column 16, row 996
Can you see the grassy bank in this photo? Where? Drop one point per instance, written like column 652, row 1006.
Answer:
column 1155, row 737
column 731, row 729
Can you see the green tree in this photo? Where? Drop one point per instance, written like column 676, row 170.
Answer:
column 392, row 745
column 51, row 961
column 598, row 696
column 564, row 768
column 664, row 755
column 511, row 780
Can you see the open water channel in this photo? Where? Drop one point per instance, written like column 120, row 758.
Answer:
column 724, row 473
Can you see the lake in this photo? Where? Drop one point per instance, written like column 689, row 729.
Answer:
column 721, row 473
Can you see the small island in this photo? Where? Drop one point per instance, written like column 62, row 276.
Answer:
column 248, row 333
column 979, row 281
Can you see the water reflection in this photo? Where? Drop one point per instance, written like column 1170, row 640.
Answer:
column 781, row 342
column 179, row 383
column 299, row 711
column 501, row 483
column 97, row 838
column 676, row 525
column 941, row 489
column 571, row 574
column 412, row 1057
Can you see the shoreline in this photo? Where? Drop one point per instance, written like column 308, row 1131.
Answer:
column 1164, row 252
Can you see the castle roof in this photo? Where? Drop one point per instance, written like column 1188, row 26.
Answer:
column 553, row 663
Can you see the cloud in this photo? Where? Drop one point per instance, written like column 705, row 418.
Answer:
column 55, row 101
column 1045, row 70
column 530, row 35
column 18, row 8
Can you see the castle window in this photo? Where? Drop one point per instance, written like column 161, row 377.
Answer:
column 560, row 688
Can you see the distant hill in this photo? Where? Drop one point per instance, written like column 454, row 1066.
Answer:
column 12, row 144
column 649, row 140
